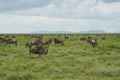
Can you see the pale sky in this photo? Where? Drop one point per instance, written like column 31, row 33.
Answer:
column 24, row 16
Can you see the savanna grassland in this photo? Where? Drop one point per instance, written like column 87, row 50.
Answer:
column 75, row 60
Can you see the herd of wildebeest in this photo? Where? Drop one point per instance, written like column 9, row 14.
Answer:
column 37, row 45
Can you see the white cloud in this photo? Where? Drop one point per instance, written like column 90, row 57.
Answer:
column 76, row 9
column 72, row 15
column 25, row 24
column 14, row 5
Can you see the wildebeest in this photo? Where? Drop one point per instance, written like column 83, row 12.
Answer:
column 39, row 36
column 66, row 36
column 82, row 38
column 58, row 41
column 36, row 49
column 36, row 42
column 9, row 41
column 93, row 42
column 47, row 42
column 89, row 39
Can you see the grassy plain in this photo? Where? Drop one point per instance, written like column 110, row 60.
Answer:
column 76, row 60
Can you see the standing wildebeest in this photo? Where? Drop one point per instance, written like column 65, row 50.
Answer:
column 89, row 39
column 47, row 42
column 36, row 49
column 58, row 41
column 93, row 42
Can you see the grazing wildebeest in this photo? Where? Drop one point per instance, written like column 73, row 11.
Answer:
column 89, row 37
column 82, row 38
column 10, row 41
column 39, row 36
column 66, row 36
column 47, row 42
column 58, row 41
column 36, row 49
column 36, row 42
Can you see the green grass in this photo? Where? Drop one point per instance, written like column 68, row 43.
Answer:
column 76, row 60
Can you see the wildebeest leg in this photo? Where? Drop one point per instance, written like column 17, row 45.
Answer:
column 62, row 43
column 45, row 51
column 97, row 44
column 30, row 53
column 27, row 45
column 39, row 56
column 55, row 43
column 16, row 43
column 93, row 44
column 48, row 45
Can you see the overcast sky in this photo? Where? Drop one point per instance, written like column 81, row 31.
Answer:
column 24, row 16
